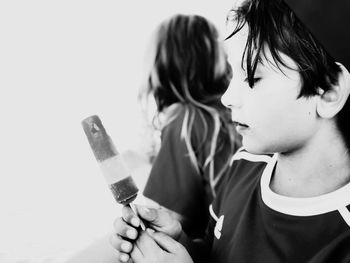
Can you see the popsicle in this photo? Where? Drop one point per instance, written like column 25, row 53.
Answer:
column 112, row 166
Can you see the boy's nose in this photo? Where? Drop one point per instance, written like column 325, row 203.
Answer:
column 231, row 98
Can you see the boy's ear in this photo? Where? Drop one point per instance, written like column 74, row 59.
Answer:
column 332, row 101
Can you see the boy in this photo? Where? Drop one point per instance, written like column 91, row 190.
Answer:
column 287, row 195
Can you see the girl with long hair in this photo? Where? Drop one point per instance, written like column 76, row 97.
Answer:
column 188, row 74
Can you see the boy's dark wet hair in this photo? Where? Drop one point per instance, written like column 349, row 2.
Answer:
column 273, row 25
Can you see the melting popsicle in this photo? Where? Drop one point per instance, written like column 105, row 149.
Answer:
column 112, row 166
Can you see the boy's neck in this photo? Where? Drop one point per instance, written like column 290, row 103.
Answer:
column 320, row 167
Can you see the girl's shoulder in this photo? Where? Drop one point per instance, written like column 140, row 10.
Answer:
column 174, row 112
column 177, row 113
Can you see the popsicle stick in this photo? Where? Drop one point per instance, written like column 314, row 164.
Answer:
column 133, row 208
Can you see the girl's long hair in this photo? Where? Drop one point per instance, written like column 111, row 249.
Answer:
column 189, row 66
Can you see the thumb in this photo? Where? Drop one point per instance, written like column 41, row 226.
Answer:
column 147, row 213
column 166, row 242
column 160, row 220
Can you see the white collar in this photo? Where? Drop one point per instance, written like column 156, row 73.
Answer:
column 310, row 206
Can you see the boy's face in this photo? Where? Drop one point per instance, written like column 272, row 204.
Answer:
column 269, row 115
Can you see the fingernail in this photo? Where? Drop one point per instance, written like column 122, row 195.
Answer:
column 150, row 231
column 145, row 209
column 126, row 247
column 135, row 221
column 124, row 258
column 131, row 233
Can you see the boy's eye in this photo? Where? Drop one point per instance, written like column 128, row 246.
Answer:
column 255, row 80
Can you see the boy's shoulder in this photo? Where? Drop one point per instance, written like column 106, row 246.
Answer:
column 245, row 171
column 243, row 156
column 246, row 164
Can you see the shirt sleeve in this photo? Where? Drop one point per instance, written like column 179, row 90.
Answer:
column 175, row 183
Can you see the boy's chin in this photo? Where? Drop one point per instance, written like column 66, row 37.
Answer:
column 254, row 151
column 256, row 148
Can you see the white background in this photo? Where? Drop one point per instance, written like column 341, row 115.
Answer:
column 60, row 62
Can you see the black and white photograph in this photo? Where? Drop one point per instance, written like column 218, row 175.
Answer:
column 175, row 131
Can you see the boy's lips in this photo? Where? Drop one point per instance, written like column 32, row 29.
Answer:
column 237, row 123
column 241, row 126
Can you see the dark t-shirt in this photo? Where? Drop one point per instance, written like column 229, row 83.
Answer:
column 250, row 223
column 174, row 182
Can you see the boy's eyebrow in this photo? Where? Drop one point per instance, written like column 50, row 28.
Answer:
column 260, row 67
column 262, row 62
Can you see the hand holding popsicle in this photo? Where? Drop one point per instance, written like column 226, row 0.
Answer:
column 129, row 243
column 112, row 166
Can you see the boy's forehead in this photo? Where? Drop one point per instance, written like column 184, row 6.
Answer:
column 236, row 44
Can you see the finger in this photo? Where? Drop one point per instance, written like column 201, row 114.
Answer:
column 166, row 242
column 160, row 219
column 146, row 243
column 146, row 250
column 124, row 230
column 155, row 216
column 136, row 255
column 130, row 217
column 125, row 258
column 147, row 213
column 121, row 245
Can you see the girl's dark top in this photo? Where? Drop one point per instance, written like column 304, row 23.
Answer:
column 174, row 181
